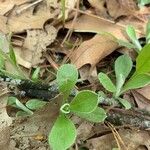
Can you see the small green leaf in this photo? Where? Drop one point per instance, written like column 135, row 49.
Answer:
column 12, row 55
column 16, row 103
column 123, row 66
column 35, row 75
column 143, row 60
column 67, row 77
column 98, row 115
column 63, row 134
column 35, row 104
column 125, row 103
column 137, row 81
column 126, row 44
column 106, row 82
column 84, row 102
column 148, row 32
column 132, row 35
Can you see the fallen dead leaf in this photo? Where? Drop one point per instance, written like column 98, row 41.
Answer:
column 35, row 43
column 99, row 7
column 93, row 50
column 28, row 19
column 142, row 98
column 132, row 139
column 118, row 8
column 3, row 26
column 7, row 5
column 5, row 123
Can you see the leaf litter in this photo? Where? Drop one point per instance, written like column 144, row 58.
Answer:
column 35, row 27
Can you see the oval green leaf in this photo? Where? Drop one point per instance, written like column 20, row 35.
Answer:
column 106, row 82
column 63, row 133
column 67, row 77
column 123, row 66
column 35, row 104
column 85, row 102
column 137, row 81
column 98, row 115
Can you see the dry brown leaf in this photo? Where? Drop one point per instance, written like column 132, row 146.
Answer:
column 8, row 5
column 3, row 26
column 84, row 130
column 99, row 7
column 28, row 19
column 142, row 97
column 132, row 139
column 5, row 123
column 35, row 43
column 93, row 50
column 145, row 91
column 117, row 8
column 87, row 23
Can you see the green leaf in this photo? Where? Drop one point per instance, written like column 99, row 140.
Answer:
column 137, row 81
column 106, row 82
column 63, row 134
column 35, row 75
column 125, row 103
column 67, row 77
column 148, row 32
column 126, row 44
column 123, row 66
column 12, row 55
column 35, row 104
column 98, row 115
column 143, row 60
column 84, row 102
column 132, row 35
column 13, row 101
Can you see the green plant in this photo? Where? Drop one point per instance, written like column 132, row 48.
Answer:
column 123, row 66
column 84, row 105
column 135, row 43
column 28, row 108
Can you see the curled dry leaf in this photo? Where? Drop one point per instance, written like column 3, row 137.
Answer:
column 35, row 43
column 142, row 98
column 95, row 49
